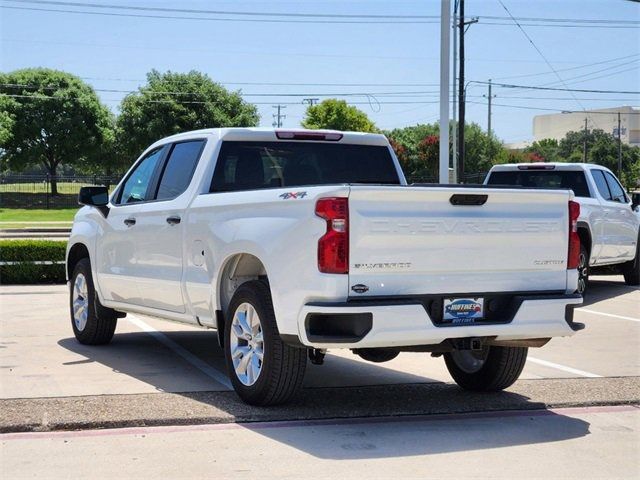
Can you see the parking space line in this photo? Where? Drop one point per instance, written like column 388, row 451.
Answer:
column 622, row 317
column 181, row 351
column 564, row 368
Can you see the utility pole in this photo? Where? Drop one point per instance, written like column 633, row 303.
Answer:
column 586, row 132
column 461, row 96
column 278, row 117
column 619, row 147
column 310, row 101
column 489, row 96
column 461, row 91
column 445, row 25
column 454, row 128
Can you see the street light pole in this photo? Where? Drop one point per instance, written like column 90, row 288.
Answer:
column 619, row 148
column 586, row 132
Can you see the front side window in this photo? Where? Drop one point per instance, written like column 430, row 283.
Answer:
column 136, row 187
column 601, row 184
column 617, row 192
column 179, row 169
column 259, row 165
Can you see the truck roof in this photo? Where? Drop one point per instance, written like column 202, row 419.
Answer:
column 257, row 134
column 549, row 165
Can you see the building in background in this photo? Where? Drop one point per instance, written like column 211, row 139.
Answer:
column 557, row 125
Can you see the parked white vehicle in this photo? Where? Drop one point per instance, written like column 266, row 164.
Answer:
column 294, row 242
column 609, row 223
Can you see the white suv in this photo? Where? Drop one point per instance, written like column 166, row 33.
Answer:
column 609, row 221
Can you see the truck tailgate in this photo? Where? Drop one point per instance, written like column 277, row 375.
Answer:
column 414, row 240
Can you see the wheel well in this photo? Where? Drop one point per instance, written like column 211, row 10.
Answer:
column 238, row 269
column 77, row 253
column 585, row 237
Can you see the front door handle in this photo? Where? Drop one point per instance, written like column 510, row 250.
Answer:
column 129, row 222
column 173, row 220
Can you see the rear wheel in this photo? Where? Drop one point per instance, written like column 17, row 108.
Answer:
column 92, row 323
column 583, row 270
column 489, row 369
column 631, row 270
column 263, row 369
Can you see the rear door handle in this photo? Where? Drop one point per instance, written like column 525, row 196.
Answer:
column 173, row 220
column 129, row 222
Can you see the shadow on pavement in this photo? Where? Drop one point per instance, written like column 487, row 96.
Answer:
column 604, row 287
column 406, row 437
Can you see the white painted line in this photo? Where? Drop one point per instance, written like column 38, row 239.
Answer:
column 179, row 350
column 564, row 368
column 622, row 317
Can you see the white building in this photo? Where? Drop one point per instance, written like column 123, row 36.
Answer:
column 557, row 125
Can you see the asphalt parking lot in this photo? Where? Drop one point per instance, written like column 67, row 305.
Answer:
column 158, row 383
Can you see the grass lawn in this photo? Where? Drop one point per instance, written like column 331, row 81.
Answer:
column 35, row 217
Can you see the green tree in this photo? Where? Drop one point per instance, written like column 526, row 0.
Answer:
column 50, row 117
column 337, row 115
column 546, row 150
column 171, row 103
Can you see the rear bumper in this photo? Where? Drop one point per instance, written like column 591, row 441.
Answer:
column 406, row 322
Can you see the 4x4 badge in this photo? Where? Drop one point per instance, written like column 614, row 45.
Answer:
column 294, row 195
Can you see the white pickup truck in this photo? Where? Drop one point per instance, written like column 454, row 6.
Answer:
column 609, row 223
column 294, row 242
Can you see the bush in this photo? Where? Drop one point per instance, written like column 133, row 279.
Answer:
column 25, row 253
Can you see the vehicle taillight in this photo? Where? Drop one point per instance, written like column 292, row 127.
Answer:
column 333, row 246
column 294, row 135
column 573, row 258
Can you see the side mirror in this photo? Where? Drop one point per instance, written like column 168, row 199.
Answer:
column 95, row 197
column 635, row 200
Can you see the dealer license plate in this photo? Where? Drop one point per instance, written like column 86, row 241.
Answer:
column 463, row 310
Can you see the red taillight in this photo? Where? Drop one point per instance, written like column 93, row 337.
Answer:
column 326, row 136
column 573, row 258
column 333, row 246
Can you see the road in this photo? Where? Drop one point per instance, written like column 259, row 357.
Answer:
column 573, row 414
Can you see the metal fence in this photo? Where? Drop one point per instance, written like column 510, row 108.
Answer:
column 41, row 191
column 37, row 191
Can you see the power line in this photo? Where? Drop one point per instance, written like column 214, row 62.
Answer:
column 287, row 17
column 557, row 89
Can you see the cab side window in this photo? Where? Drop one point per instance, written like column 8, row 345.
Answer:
column 136, row 187
column 179, row 169
column 617, row 192
column 601, row 184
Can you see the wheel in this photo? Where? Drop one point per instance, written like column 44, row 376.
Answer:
column 583, row 270
column 92, row 323
column 262, row 368
column 631, row 270
column 487, row 370
column 377, row 355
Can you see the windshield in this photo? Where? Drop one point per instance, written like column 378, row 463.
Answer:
column 552, row 179
column 257, row 165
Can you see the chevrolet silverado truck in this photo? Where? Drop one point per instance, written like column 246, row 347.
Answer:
column 290, row 243
column 609, row 223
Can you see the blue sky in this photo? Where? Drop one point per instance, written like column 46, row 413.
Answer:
column 114, row 53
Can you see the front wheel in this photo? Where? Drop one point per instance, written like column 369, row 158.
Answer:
column 263, row 369
column 92, row 323
column 487, row 370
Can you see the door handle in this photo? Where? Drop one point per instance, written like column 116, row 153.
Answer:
column 129, row 222
column 173, row 220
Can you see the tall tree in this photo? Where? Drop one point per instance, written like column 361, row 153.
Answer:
column 50, row 117
column 171, row 103
column 336, row 114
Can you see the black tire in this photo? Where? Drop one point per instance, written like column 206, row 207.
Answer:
column 100, row 321
column 377, row 355
column 631, row 270
column 501, row 368
column 282, row 366
column 583, row 270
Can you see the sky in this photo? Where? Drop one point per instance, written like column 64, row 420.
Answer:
column 395, row 66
